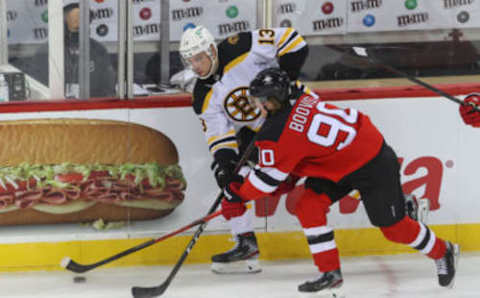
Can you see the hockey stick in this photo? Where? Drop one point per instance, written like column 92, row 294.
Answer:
column 147, row 292
column 362, row 52
column 73, row 266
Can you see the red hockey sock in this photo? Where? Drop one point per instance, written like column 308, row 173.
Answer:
column 311, row 211
column 327, row 261
column 438, row 250
column 416, row 235
column 405, row 231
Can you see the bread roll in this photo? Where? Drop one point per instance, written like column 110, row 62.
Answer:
column 82, row 141
column 107, row 212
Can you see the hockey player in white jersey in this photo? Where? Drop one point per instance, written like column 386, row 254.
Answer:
column 220, row 100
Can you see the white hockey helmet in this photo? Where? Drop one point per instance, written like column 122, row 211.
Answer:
column 196, row 40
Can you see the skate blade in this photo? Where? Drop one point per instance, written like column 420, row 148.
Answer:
column 239, row 267
column 327, row 293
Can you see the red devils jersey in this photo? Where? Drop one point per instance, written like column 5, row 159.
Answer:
column 313, row 139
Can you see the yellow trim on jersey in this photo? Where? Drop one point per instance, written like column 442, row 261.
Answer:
column 231, row 133
column 293, row 44
column 257, row 128
column 304, row 88
column 284, row 37
column 232, row 145
column 308, row 90
column 206, row 102
column 234, row 62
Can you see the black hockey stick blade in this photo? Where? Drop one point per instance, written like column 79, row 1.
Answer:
column 147, row 292
column 363, row 53
column 73, row 266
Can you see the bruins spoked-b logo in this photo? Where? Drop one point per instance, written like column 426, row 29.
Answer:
column 237, row 106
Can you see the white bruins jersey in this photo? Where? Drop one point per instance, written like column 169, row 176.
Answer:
column 221, row 101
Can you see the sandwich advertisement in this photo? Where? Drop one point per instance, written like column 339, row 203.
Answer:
column 81, row 170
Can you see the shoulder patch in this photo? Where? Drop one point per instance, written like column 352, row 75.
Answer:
column 233, row 47
column 233, row 40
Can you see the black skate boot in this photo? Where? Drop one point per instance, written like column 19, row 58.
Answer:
column 446, row 266
column 328, row 280
column 242, row 258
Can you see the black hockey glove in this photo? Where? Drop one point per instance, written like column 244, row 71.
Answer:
column 224, row 167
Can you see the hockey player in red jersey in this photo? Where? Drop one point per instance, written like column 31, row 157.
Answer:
column 337, row 150
column 469, row 116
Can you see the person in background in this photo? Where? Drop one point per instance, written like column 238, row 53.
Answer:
column 224, row 72
column 102, row 75
column 337, row 150
column 468, row 114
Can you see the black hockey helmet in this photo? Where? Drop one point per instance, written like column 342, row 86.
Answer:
column 271, row 83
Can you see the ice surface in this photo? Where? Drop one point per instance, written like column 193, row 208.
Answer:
column 405, row 276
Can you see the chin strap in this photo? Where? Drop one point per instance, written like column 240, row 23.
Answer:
column 213, row 67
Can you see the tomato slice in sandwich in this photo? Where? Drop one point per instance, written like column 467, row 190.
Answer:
column 69, row 177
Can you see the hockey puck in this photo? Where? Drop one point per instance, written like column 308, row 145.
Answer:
column 79, row 279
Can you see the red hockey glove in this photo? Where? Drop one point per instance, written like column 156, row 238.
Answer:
column 232, row 204
column 286, row 186
column 470, row 116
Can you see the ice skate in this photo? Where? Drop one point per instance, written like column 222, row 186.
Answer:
column 417, row 209
column 242, row 258
column 328, row 283
column 446, row 266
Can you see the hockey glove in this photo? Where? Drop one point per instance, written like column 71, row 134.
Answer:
column 232, row 204
column 470, row 116
column 224, row 167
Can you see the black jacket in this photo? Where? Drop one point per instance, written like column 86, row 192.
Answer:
column 102, row 75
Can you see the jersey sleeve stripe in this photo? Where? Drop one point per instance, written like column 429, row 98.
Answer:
column 206, row 102
column 299, row 40
column 235, row 62
column 273, row 172
column 229, row 145
column 260, row 184
column 213, row 139
column 267, row 178
column 223, row 140
column 292, row 37
column 284, row 37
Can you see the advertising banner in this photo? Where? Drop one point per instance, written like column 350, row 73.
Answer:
column 351, row 16
column 381, row 15
column 28, row 20
column 221, row 17
column 311, row 17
